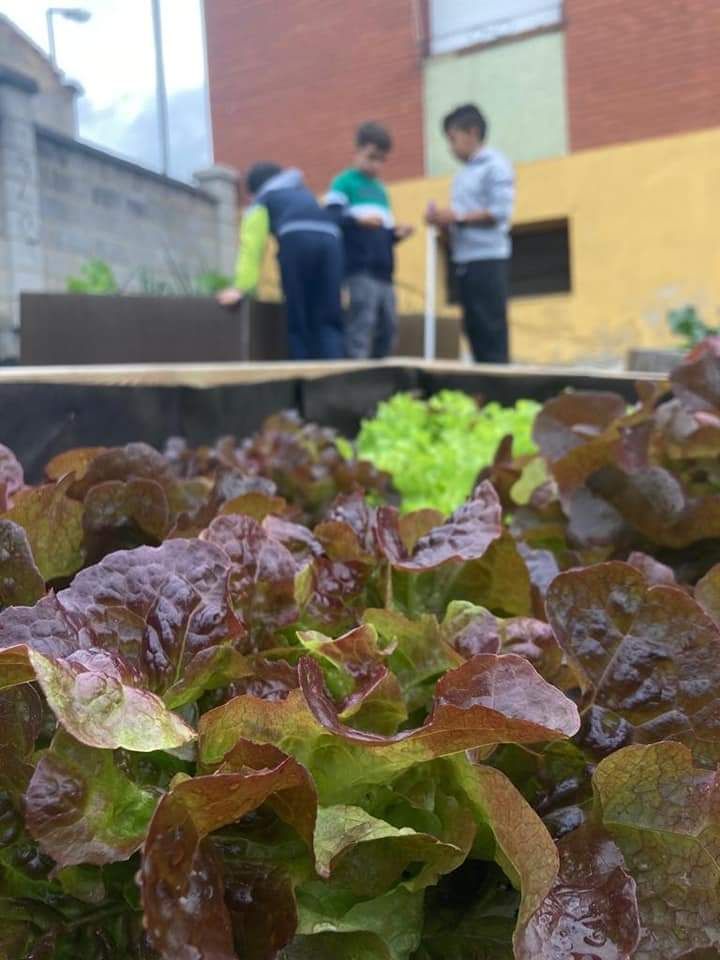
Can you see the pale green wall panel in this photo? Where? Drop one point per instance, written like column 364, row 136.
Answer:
column 520, row 86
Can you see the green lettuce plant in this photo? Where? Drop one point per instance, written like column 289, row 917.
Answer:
column 434, row 449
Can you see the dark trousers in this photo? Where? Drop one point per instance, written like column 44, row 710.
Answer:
column 483, row 290
column 311, row 268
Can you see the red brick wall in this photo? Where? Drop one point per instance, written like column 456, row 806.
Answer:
column 291, row 79
column 641, row 68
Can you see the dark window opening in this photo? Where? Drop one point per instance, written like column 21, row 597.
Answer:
column 540, row 262
column 541, row 259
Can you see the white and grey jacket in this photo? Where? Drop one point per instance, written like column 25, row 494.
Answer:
column 486, row 182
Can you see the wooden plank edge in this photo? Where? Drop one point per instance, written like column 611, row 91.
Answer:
column 207, row 375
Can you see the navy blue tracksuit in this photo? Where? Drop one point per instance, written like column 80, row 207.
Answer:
column 311, row 268
column 310, row 254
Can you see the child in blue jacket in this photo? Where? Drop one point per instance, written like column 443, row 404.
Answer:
column 309, row 254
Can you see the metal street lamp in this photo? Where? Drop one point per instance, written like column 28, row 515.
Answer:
column 69, row 13
column 161, row 90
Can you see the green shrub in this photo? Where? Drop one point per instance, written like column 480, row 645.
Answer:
column 211, row 282
column 95, row 277
column 687, row 324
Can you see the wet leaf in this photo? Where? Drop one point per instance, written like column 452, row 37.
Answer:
column 591, row 909
column 262, row 909
column 21, row 583
column 158, row 607
column 662, row 812
column 577, row 433
column 356, row 670
column 524, row 848
column 136, row 461
column 418, row 654
column 139, row 506
column 466, row 536
column 647, row 656
column 654, row 502
column 82, row 809
column 11, row 477
column 487, row 700
column 262, row 574
column 655, row 573
column 74, row 461
column 695, row 380
column 20, row 723
column 473, row 630
column 707, row 593
column 98, row 699
column 395, row 919
column 184, row 886
column 368, row 856
column 254, row 504
column 53, row 524
column 348, row 533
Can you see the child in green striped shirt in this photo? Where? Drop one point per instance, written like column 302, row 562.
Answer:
column 359, row 201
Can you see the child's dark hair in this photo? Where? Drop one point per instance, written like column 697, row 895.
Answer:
column 259, row 174
column 466, row 117
column 373, row 134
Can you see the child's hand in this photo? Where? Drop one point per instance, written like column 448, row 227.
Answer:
column 230, row 297
column 372, row 222
column 403, row 231
column 440, row 218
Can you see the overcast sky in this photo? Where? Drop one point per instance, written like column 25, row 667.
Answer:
column 112, row 57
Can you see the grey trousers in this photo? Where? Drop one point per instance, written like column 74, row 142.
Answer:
column 370, row 323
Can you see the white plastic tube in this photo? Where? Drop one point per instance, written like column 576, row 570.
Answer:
column 430, row 333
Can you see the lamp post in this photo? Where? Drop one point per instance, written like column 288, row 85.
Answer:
column 69, row 13
column 161, row 90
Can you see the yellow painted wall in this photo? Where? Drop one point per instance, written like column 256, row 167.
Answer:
column 644, row 235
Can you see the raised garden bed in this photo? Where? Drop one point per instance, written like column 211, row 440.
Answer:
column 249, row 708
column 77, row 406
column 654, row 361
column 84, row 329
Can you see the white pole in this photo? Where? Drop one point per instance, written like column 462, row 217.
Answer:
column 160, row 90
column 51, row 36
column 206, row 81
column 430, row 291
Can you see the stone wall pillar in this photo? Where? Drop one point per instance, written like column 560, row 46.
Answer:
column 22, row 264
column 222, row 183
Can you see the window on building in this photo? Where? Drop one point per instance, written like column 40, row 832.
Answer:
column 541, row 259
column 540, row 264
column 455, row 24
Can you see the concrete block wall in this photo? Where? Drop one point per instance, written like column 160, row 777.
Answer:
column 63, row 202
column 91, row 205
column 19, row 202
column 53, row 104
